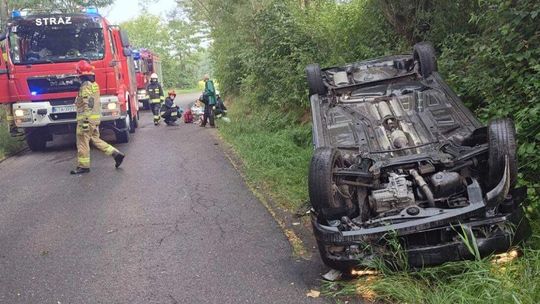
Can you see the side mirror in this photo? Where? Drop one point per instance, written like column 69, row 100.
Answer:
column 127, row 51
column 3, row 36
column 124, row 38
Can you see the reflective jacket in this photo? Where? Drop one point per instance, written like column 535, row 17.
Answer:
column 88, row 103
column 155, row 92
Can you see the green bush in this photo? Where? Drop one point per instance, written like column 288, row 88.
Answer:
column 8, row 144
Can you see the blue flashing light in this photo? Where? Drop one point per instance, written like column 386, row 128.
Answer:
column 92, row 10
column 16, row 14
column 34, row 93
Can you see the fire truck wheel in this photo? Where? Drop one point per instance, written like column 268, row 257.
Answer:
column 36, row 140
column 132, row 124
column 146, row 105
column 122, row 134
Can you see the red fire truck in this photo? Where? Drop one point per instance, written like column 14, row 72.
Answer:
column 146, row 63
column 39, row 83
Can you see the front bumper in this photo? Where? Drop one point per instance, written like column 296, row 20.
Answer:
column 40, row 113
column 423, row 247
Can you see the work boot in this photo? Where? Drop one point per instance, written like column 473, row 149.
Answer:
column 118, row 158
column 80, row 170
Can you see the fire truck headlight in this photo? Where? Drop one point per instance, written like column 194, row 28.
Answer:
column 112, row 106
column 20, row 113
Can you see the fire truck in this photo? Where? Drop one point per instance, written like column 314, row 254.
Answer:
column 38, row 79
column 146, row 63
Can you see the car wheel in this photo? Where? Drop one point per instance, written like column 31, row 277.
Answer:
column 424, row 55
column 326, row 197
column 502, row 142
column 315, row 80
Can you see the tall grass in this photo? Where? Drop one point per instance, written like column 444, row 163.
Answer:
column 8, row 144
column 488, row 280
column 275, row 149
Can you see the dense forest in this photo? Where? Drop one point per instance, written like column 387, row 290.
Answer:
column 488, row 50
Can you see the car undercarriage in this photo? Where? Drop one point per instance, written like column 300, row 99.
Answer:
column 398, row 155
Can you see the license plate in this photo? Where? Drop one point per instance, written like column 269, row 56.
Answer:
column 64, row 109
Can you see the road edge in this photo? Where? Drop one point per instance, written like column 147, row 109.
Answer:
column 284, row 219
column 6, row 157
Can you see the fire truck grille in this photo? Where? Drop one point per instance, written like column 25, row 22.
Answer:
column 54, row 84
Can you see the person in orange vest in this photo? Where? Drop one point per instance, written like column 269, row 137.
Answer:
column 88, row 106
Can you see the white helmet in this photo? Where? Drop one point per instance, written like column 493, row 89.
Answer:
column 154, row 76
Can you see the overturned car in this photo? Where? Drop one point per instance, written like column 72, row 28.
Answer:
column 398, row 156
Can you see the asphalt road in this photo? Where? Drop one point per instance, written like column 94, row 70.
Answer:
column 175, row 224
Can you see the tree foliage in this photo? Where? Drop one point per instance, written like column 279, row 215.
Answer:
column 176, row 40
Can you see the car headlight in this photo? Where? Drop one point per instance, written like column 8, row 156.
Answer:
column 112, row 106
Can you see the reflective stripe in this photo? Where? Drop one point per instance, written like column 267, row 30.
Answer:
column 155, row 100
column 95, row 116
column 110, row 150
column 85, row 161
column 10, row 118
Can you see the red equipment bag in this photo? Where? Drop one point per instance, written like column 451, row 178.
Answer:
column 188, row 116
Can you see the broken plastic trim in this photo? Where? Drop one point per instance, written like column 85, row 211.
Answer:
column 499, row 193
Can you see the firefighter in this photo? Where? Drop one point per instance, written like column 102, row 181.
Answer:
column 155, row 91
column 88, row 118
column 169, row 111
column 209, row 100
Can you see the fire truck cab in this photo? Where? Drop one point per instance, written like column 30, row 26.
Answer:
column 39, row 82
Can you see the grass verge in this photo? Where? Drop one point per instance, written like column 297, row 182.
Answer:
column 8, row 144
column 275, row 150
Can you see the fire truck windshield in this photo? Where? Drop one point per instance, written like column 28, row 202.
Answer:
column 41, row 41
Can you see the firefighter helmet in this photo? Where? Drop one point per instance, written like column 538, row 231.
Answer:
column 84, row 68
column 154, row 76
column 172, row 92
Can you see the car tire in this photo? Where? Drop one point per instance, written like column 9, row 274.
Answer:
column 122, row 136
column 424, row 55
column 502, row 142
column 315, row 80
column 323, row 194
column 36, row 140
